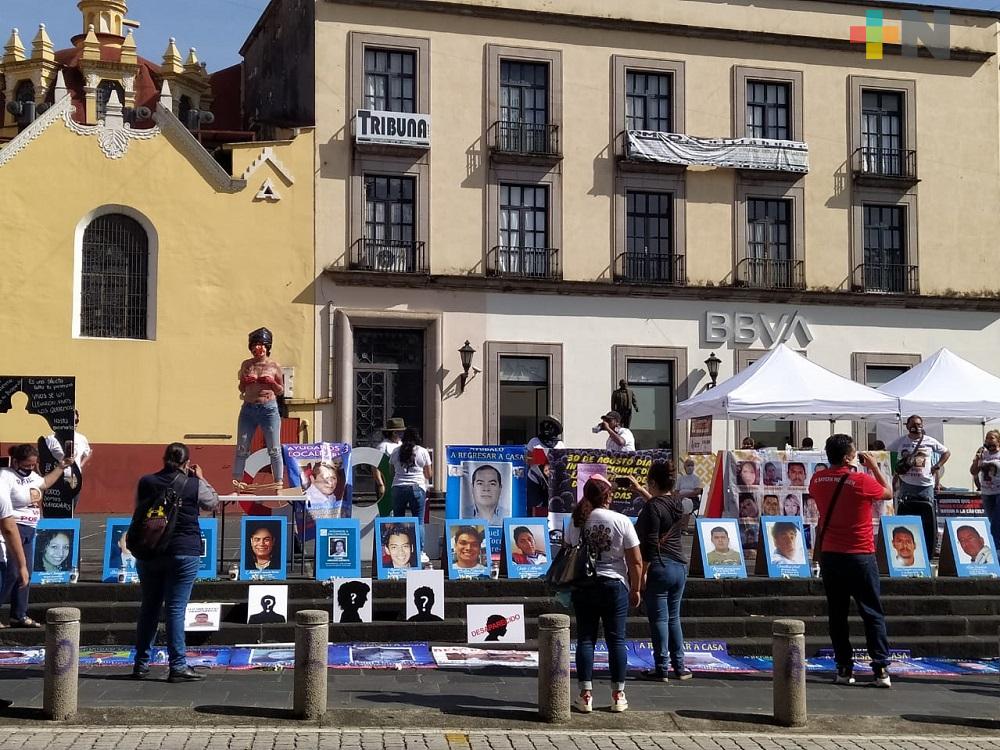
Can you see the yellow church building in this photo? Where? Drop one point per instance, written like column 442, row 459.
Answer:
column 137, row 259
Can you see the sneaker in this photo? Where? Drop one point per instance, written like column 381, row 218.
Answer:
column 683, row 674
column 618, row 702
column 845, row 676
column 881, row 679
column 585, row 702
column 655, row 675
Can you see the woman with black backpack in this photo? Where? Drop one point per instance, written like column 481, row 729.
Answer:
column 659, row 527
column 167, row 569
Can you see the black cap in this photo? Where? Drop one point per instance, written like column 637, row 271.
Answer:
column 261, row 336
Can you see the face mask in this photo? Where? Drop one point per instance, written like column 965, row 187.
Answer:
column 23, row 472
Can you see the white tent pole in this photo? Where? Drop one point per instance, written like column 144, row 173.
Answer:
column 833, row 424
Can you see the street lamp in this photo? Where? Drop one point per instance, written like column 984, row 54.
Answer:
column 712, row 365
column 465, row 352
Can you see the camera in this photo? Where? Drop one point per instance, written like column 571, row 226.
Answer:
column 623, row 482
column 597, row 429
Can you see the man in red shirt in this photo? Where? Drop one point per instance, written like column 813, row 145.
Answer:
column 846, row 547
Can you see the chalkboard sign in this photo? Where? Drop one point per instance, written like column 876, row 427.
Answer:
column 51, row 397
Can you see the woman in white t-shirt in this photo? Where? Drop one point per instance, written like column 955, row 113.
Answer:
column 23, row 487
column 613, row 541
column 413, row 475
column 986, row 474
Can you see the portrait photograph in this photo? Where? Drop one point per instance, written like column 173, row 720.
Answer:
column 352, row 600
column 527, row 548
column 470, row 554
column 425, row 596
column 905, row 547
column 797, row 473
column 747, row 474
column 774, row 474
column 397, row 546
column 337, row 553
column 57, row 550
column 785, row 547
column 262, row 548
column 199, row 616
column 117, row 558
column 748, row 506
column 791, row 504
column 721, row 550
column 769, row 501
column 267, row 605
column 325, row 488
column 972, row 546
column 486, row 491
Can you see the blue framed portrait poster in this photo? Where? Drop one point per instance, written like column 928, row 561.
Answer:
column 486, row 483
column 784, row 547
column 720, row 553
column 967, row 549
column 262, row 548
column 904, row 547
column 337, row 548
column 325, row 475
column 119, row 565
column 527, row 550
column 397, row 547
column 468, row 547
column 209, row 548
column 57, row 550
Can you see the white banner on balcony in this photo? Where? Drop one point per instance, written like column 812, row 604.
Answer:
column 734, row 153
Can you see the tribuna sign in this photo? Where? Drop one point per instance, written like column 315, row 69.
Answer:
column 401, row 128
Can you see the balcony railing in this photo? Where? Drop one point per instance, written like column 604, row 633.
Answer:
column 885, row 164
column 388, row 256
column 524, row 262
column 770, row 273
column 650, row 268
column 524, row 139
column 886, row 278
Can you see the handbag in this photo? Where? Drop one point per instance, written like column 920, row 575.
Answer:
column 154, row 519
column 818, row 547
column 574, row 566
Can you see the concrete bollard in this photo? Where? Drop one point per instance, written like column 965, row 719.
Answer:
column 311, row 631
column 789, row 674
column 62, row 662
column 553, row 668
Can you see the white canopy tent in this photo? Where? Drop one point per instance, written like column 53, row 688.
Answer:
column 945, row 386
column 785, row 385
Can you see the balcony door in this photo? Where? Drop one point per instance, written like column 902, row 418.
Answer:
column 882, row 132
column 389, row 223
column 769, row 244
column 885, row 249
column 524, row 106
column 523, row 223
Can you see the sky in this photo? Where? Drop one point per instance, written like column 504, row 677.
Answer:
column 217, row 28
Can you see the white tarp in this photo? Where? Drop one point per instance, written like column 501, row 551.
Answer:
column 734, row 153
column 945, row 386
column 785, row 385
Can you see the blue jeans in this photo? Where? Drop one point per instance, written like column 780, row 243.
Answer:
column 408, row 497
column 991, row 504
column 854, row 576
column 266, row 417
column 166, row 582
column 13, row 591
column 605, row 601
column 662, row 598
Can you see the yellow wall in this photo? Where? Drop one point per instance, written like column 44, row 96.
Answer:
column 227, row 264
column 956, row 113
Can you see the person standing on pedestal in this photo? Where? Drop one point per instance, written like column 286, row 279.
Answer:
column 260, row 383
column 623, row 401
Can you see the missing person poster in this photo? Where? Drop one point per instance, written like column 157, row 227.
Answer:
column 119, row 564
column 494, row 623
column 569, row 469
column 469, row 549
column 720, row 548
column 971, row 549
column 262, row 548
column 338, row 553
column 325, row 475
column 527, row 547
column 209, row 547
column 785, row 547
column 200, row 617
column 57, row 550
column 485, row 483
column 352, row 600
column 397, row 547
column 904, row 547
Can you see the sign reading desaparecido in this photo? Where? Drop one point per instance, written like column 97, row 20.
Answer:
column 57, row 550
column 338, row 553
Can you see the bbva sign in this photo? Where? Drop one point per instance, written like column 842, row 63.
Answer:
column 746, row 328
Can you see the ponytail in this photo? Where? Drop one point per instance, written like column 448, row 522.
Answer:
column 596, row 494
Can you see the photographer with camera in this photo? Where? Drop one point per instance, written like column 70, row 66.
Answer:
column 620, row 439
column 917, row 475
column 985, row 472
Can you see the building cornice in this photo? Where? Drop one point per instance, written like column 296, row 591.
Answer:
column 961, row 54
column 715, row 294
column 188, row 145
column 35, row 129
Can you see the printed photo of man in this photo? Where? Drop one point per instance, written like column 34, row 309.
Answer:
column 263, row 547
column 786, row 550
column 468, row 548
column 904, row 546
column 398, row 545
column 974, row 545
column 721, row 553
column 797, row 474
column 487, row 494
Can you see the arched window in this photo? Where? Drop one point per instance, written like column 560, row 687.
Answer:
column 184, row 109
column 114, row 278
column 104, row 90
column 25, row 92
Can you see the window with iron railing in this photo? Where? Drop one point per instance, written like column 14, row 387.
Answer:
column 882, row 146
column 769, row 110
column 885, row 268
column 523, row 224
column 390, row 80
column 647, row 101
column 114, row 278
column 770, row 261
column 389, row 242
column 649, row 239
column 523, row 127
